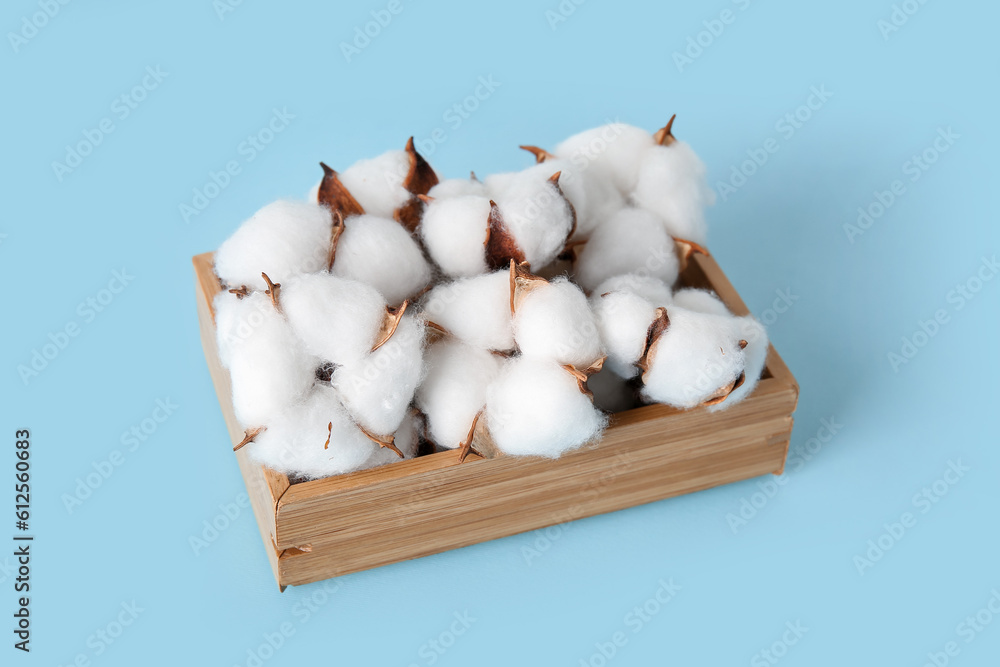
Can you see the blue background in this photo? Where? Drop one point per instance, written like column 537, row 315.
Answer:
column 783, row 229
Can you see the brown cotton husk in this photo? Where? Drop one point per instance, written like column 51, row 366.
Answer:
column 541, row 155
column 384, row 441
column 501, row 247
column 554, row 180
column 241, row 292
column 723, row 392
column 334, row 195
column 583, row 374
column 248, row 437
column 522, row 283
column 418, row 181
column 389, row 324
column 660, row 323
column 479, row 441
column 336, row 229
column 685, row 249
column 273, row 289
column 664, row 136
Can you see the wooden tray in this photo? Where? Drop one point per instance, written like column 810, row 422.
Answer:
column 328, row 527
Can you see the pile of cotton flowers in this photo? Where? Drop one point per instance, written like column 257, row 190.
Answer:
column 394, row 308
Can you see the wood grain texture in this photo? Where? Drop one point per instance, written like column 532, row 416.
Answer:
column 323, row 528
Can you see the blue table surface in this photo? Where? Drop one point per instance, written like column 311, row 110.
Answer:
column 863, row 229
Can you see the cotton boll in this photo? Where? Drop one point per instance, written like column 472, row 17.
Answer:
column 537, row 216
column 295, row 440
column 377, row 389
column 554, row 321
column 498, row 184
column 381, row 253
column 700, row 300
column 269, row 367
column 651, row 289
column 454, row 232
column 377, row 183
column 537, row 408
column 476, row 310
column 633, row 240
column 283, row 239
column 458, row 187
column 406, row 441
column 672, row 184
column 696, row 359
column 454, row 390
column 755, row 358
column 611, row 152
column 337, row 319
column 623, row 320
column 612, row 393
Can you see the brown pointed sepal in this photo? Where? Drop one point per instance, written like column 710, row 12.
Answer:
column 664, row 136
column 334, row 194
column 501, row 246
column 389, row 324
column 248, row 437
column 583, row 374
column 522, row 283
column 685, row 249
column 541, row 155
column 661, row 322
column 385, row 442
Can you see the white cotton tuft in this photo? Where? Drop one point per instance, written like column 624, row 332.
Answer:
column 537, row 408
column 407, row 438
column 672, row 185
column 610, row 152
column 694, row 360
column 377, row 184
column 536, row 216
column 476, row 310
column 294, row 440
column 337, row 319
column 378, row 389
column 454, row 389
column 612, row 393
column 381, row 253
column 755, row 358
column 283, row 239
column 632, row 241
column 269, row 367
column 651, row 289
column 497, row 184
column 554, row 321
column 454, row 232
column 700, row 300
column 458, row 187
column 623, row 320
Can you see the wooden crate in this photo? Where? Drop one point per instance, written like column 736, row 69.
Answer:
column 324, row 528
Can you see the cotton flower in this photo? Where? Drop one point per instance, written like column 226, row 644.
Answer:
column 284, row 239
column 475, row 310
column 632, row 241
column 623, row 320
column 531, row 221
column 455, row 231
column 553, row 321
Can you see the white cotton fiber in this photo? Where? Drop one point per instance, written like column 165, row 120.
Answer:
column 612, row 393
column 701, row 300
column 755, row 358
column 611, row 152
column 269, row 366
column 283, row 239
column 536, row 408
column 458, row 187
column 377, row 183
column 454, row 389
column 406, row 441
column 623, row 319
column 696, row 359
column 294, row 440
column 537, row 216
column 554, row 321
column 377, row 389
column 497, row 184
column 651, row 289
column 337, row 319
column 476, row 310
column 454, row 232
column 672, row 185
column 632, row 241
column 381, row 253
